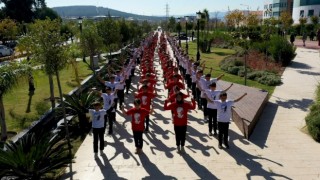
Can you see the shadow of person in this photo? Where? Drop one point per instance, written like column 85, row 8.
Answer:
column 121, row 149
column 107, row 169
column 153, row 170
column 252, row 164
column 199, row 169
column 193, row 132
column 159, row 145
column 195, row 119
column 195, row 145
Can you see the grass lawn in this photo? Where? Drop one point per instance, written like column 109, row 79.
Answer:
column 17, row 100
column 213, row 60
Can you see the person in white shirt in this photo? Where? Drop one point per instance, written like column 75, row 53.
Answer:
column 108, row 105
column 203, row 84
column 120, row 93
column 224, row 108
column 97, row 116
column 211, row 95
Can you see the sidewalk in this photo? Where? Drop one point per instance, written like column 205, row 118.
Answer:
column 278, row 149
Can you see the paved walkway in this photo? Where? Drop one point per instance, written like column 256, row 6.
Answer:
column 278, row 148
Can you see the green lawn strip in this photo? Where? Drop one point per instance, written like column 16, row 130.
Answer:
column 17, row 100
column 213, row 60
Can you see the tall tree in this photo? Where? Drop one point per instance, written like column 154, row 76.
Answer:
column 286, row 19
column 252, row 19
column 171, row 23
column 8, row 30
column 90, row 41
column 109, row 30
column 48, row 49
column 20, row 10
column 9, row 78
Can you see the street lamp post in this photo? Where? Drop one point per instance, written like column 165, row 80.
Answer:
column 198, row 31
column 179, row 30
column 80, row 28
column 187, row 45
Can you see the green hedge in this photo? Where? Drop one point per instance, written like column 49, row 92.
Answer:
column 313, row 118
column 235, row 67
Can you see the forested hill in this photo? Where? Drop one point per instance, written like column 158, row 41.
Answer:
column 90, row 11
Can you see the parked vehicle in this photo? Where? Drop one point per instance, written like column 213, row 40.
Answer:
column 5, row 51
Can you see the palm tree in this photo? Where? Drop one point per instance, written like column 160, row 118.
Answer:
column 9, row 78
column 33, row 156
column 206, row 18
column 78, row 104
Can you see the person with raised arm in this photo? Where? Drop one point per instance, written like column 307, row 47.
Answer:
column 211, row 95
column 138, row 115
column 180, row 110
column 224, row 108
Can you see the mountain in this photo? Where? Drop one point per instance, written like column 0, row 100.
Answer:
column 91, row 11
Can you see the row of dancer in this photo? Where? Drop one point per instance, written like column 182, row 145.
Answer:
column 217, row 109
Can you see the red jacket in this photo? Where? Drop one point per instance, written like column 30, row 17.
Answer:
column 145, row 99
column 138, row 116
column 180, row 112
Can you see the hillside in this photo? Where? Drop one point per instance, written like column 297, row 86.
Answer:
column 90, row 11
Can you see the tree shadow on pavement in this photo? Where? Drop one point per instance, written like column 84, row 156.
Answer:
column 302, row 104
column 153, row 170
column 251, row 163
column 299, row 65
column 107, row 169
column 308, row 73
column 261, row 131
column 199, row 169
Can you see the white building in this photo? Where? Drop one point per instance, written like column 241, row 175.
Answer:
column 305, row 8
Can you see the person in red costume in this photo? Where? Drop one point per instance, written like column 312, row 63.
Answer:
column 180, row 110
column 138, row 115
column 145, row 96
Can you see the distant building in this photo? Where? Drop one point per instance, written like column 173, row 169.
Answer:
column 275, row 7
column 305, row 8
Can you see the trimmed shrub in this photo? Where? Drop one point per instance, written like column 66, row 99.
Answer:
column 313, row 122
column 42, row 107
column 233, row 70
column 264, row 77
column 281, row 50
column 269, row 79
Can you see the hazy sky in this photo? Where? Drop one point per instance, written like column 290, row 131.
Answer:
column 158, row 7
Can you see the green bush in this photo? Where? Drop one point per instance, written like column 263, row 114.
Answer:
column 313, row 118
column 241, row 71
column 264, row 77
column 270, row 79
column 238, row 63
column 233, row 70
column 281, row 50
column 313, row 122
column 42, row 107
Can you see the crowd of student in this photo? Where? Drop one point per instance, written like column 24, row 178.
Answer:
column 179, row 73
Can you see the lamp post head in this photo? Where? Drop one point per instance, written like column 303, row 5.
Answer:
column 199, row 15
column 80, row 20
column 186, row 18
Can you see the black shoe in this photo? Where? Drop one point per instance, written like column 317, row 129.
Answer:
column 220, row 146
column 215, row 134
column 146, row 130
column 210, row 134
